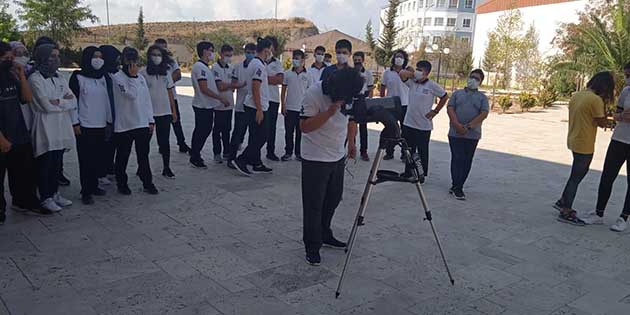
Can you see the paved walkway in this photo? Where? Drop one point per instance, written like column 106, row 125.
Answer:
column 216, row 243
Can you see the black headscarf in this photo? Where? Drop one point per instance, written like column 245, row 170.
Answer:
column 86, row 64
column 43, row 61
column 111, row 55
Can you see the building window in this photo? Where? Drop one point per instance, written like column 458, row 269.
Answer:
column 451, row 22
column 453, row 3
column 466, row 23
column 427, row 21
column 419, row 21
column 425, row 39
column 465, row 39
column 414, row 6
column 420, row 4
column 430, row 3
column 441, row 3
column 437, row 39
column 439, row 21
column 468, row 4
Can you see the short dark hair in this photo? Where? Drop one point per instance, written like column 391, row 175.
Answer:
column 405, row 56
column 203, row 45
column 480, row 73
column 262, row 44
column 226, row 48
column 603, row 84
column 359, row 54
column 320, row 48
column 250, row 46
column 343, row 43
column 273, row 40
column 298, row 53
column 344, row 84
column 424, row 64
column 327, row 55
column 160, row 41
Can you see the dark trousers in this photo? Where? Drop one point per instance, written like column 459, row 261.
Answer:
column 92, row 158
column 322, row 190
column 238, row 134
column 462, row 154
column 272, row 121
column 141, row 137
column 20, row 166
column 203, row 127
column 618, row 153
column 163, row 135
column 579, row 169
column 363, row 138
column 418, row 141
column 390, row 150
column 48, row 170
column 291, row 130
column 221, row 131
column 257, row 137
column 177, row 127
column 109, row 152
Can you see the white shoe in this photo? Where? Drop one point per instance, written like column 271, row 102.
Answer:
column 61, row 201
column 51, row 205
column 592, row 219
column 619, row 226
column 104, row 181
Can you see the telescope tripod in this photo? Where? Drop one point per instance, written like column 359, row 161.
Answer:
column 380, row 176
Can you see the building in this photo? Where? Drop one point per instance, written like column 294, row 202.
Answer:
column 545, row 15
column 429, row 21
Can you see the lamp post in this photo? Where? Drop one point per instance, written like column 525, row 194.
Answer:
column 109, row 34
column 435, row 48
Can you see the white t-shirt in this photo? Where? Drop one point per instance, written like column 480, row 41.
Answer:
column 224, row 74
column 132, row 102
column 257, row 72
column 174, row 66
column 326, row 144
column 274, row 67
column 200, row 71
column 158, row 89
column 242, row 75
column 296, row 85
column 94, row 110
column 622, row 130
column 421, row 100
column 315, row 74
column 368, row 80
column 395, row 86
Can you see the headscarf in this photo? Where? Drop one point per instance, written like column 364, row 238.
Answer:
column 111, row 55
column 86, row 64
column 15, row 45
column 44, row 63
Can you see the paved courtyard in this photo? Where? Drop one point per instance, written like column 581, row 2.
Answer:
column 216, row 243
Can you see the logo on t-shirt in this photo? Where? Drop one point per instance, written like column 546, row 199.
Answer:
column 203, row 73
column 259, row 72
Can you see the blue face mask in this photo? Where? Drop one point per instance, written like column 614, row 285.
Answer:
column 249, row 56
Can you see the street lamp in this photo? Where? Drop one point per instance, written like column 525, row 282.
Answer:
column 435, row 48
column 109, row 34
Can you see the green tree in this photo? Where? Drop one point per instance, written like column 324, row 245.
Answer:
column 529, row 64
column 8, row 26
column 59, row 19
column 504, row 43
column 218, row 38
column 375, row 51
column 389, row 34
column 140, row 42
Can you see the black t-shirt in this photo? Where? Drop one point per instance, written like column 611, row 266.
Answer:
column 12, row 122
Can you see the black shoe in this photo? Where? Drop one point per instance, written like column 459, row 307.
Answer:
column 388, row 157
column 40, row 211
column 285, row 157
column 313, row 259
column 3, row 217
column 168, row 173
column 22, row 208
column 231, row 165
column 124, row 190
column 184, row 148
column 261, row 169
column 87, row 200
column 241, row 166
column 334, row 243
column 198, row 164
column 151, row 189
column 459, row 194
column 298, row 158
column 99, row 192
column 365, row 156
column 273, row 157
column 558, row 205
column 63, row 180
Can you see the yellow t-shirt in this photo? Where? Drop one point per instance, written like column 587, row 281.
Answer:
column 584, row 107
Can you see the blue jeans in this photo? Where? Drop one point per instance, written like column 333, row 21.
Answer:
column 579, row 169
column 462, row 154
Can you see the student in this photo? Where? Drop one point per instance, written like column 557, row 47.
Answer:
column 418, row 122
column 51, row 132
column 296, row 82
column 367, row 92
column 586, row 113
column 134, row 122
column 160, row 83
column 205, row 100
column 256, row 106
column 223, row 72
column 325, row 131
column 327, row 60
column 176, row 75
column 111, row 56
column 343, row 49
column 618, row 153
column 16, row 153
column 240, row 78
column 467, row 109
column 21, row 55
column 91, row 117
column 393, row 84
column 316, row 69
column 275, row 71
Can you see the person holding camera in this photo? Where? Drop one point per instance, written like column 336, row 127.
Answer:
column 325, row 130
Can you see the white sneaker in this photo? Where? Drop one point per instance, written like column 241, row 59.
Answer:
column 619, row 226
column 104, row 181
column 592, row 219
column 218, row 159
column 61, row 201
column 51, row 205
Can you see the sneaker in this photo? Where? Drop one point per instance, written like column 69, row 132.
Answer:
column 619, row 226
column 49, row 205
column 459, row 194
column 592, row 219
column 198, row 164
column 63, row 180
column 151, row 189
column 334, row 243
column 99, row 192
column 313, row 259
column 218, row 159
column 365, row 156
column 388, row 157
column 298, row 158
column 285, row 157
column 20, row 208
column 261, row 169
column 61, row 201
column 241, row 166
column 451, row 190
column 231, row 165
column 87, row 200
column 168, row 173
column 103, row 181
column 273, row 157
column 184, row 148
column 124, row 190
column 570, row 217
column 558, row 205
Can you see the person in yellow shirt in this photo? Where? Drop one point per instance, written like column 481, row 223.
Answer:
column 586, row 113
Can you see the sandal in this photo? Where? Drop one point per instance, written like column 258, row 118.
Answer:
column 570, row 217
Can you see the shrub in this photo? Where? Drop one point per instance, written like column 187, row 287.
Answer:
column 505, row 102
column 547, row 97
column 527, row 101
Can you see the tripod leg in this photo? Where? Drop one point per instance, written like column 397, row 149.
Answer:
column 358, row 221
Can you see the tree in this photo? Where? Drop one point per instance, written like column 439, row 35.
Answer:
column 504, row 44
column 218, row 38
column 529, row 63
column 369, row 39
column 8, row 26
column 389, row 34
column 140, row 42
column 59, row 19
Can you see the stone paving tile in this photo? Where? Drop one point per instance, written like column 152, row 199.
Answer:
column 58, row 301
column 289, row 277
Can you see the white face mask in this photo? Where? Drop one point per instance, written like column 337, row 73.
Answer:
column 419, row 75
column 342, row 59
column 319, row 58
column 297, row 63
column 227, row 60
column 97, row 63
column 156, row 60
column 472, row 84
column 328, row 64
column 399, row 61
column 211, row 56
column 22, row 60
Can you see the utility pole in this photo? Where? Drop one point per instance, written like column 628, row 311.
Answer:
column 109, row 33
